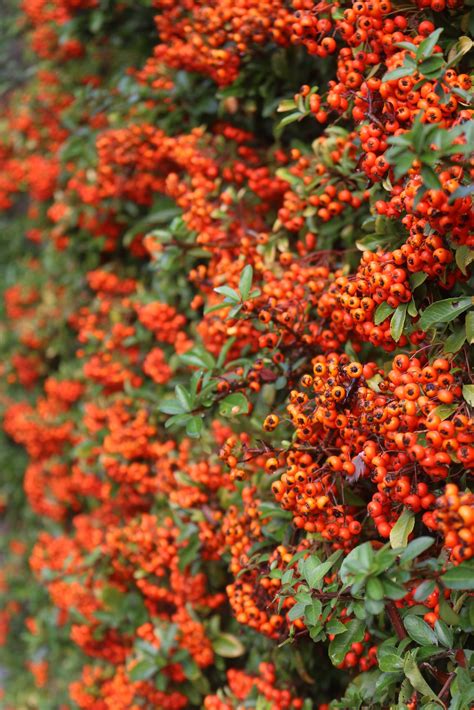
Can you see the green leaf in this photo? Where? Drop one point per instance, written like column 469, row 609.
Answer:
column 398, row 322
column 215, row 307
column 188, row 554
column 417, row 279
column 402, row 529
column 407, row 45
column 171, row 406
column 424, row 590
column 412, row 672
column 291, row 118
column 382, row 312
column 374, row 589
column 228, row 646
column 143, row 670
column 358, row 561
column 464, row 256
column 313, row 612
column 416, row 547
column 444, row 633
column 419, row 630
column 464, row 95
column 468, row 394
column 309, row 568
column 234, row 404
column 286, row 105
column 341, row 644
column 458, row 50
column 455, row 341
column 245, row 283
column 371, row 242
column 177, row 419
column 194, row 427
column 443, row 311
column 393, row 590
column 432, row 67
column 388, row 660
column 296, row 611
column 373, row 382
column 412, row 310
column 184, row 398
column 334, row 626
column 425, row 48
column 430, row 178
column 447, row 613
column 198, row 357
column 231, row 293
column 112, row 598
column 398, row 73
column 419, row 195
column 470, row 327
column 224, row 352
column 318, row 570
column 401, row 160
column 444, row 411
column 460, row 577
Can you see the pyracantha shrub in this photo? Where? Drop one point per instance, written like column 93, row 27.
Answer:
column 236, row 389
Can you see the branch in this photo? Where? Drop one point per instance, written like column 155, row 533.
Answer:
column 396, row 620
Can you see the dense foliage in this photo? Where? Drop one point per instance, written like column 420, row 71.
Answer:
column 236, row 238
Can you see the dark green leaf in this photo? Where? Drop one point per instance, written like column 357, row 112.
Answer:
column 413, row 674
column 443, row 311
column 399, row 73
column 444, row 633
column 341, row 644
column 446, row 612
column 425, row 48
column 417, row 279
column 415, row 548
column 334, row 626
column 314, row 570
column 432, row 67
column 430, row 178
column 382, row 312
column 419, row 630
column 389, row 661
column 424, row 590
column 460, row 577
column 455, row 341
column 398, row 322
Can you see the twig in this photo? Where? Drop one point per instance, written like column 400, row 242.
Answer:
column 395, row 618
column 443, row 693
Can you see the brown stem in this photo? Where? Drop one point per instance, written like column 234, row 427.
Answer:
column 396, row 620
column 443, row 693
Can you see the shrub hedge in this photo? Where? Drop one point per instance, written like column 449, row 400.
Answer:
column 236, row 392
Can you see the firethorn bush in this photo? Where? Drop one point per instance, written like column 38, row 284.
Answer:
column 235, row 386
